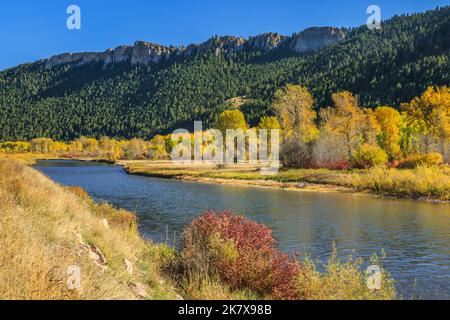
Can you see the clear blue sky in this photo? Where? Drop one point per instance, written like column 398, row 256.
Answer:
column 36, row 29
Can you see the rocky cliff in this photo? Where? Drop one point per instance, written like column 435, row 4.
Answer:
column 314, row 39
column 142, row 52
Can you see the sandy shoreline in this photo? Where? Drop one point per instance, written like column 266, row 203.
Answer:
column 292, row 186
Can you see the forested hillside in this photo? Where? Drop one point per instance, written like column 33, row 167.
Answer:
column 382, row 67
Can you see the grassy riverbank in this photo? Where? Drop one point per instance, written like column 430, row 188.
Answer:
column 421, row 183
column 46, row 228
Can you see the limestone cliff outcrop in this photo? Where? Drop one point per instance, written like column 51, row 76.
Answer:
column 314, row 39
column 143, row 53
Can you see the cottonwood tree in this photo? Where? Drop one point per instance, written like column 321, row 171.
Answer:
column 234, row 120
column 346, row 119
column 390, row 122
column 370, row 128
column 294, row 107
column 231, row 120
column 136, row 149
column 42, row 145
column 429, row 116
column 268, row 124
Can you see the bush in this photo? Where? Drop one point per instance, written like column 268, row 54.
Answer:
column 417, row 160
column 239, row 252
column 368, row 156
column 227, row 256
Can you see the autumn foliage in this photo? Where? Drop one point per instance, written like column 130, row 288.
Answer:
column 241, row 253
column 344, row 134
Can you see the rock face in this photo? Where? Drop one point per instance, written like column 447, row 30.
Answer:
column 142, row 53
column 145, row 52
column 266, row 41
column 314, row 39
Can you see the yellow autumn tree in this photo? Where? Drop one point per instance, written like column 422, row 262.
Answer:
column 269, row 124
column 429, row 115
column 110, row 148
column 15, row 146
column 390, row 122
column 370, row 128
column 345, row 119
column 294, row 107
column 231, row 120
column 157, row 148
column 136, row 149
column 76, row 146
column 42, row 145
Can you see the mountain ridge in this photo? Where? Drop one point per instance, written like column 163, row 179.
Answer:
column 381, row 67
column 143, row 52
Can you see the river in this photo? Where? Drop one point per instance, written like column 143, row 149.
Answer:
column 414, row 235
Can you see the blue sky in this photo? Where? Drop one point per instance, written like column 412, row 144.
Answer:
column 32, row 30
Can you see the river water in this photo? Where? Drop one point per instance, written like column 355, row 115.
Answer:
column 414, row 235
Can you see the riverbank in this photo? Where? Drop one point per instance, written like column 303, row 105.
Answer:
column 430, row 184
column 51, row 231
column 423, row 183
column 48, row 232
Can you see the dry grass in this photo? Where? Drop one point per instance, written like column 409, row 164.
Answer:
column 41, row 225
column 422, row 182
column 203, row 287
column 342, row 281
column 28, row 158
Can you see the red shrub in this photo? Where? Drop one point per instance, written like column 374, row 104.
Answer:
column 241, row 252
